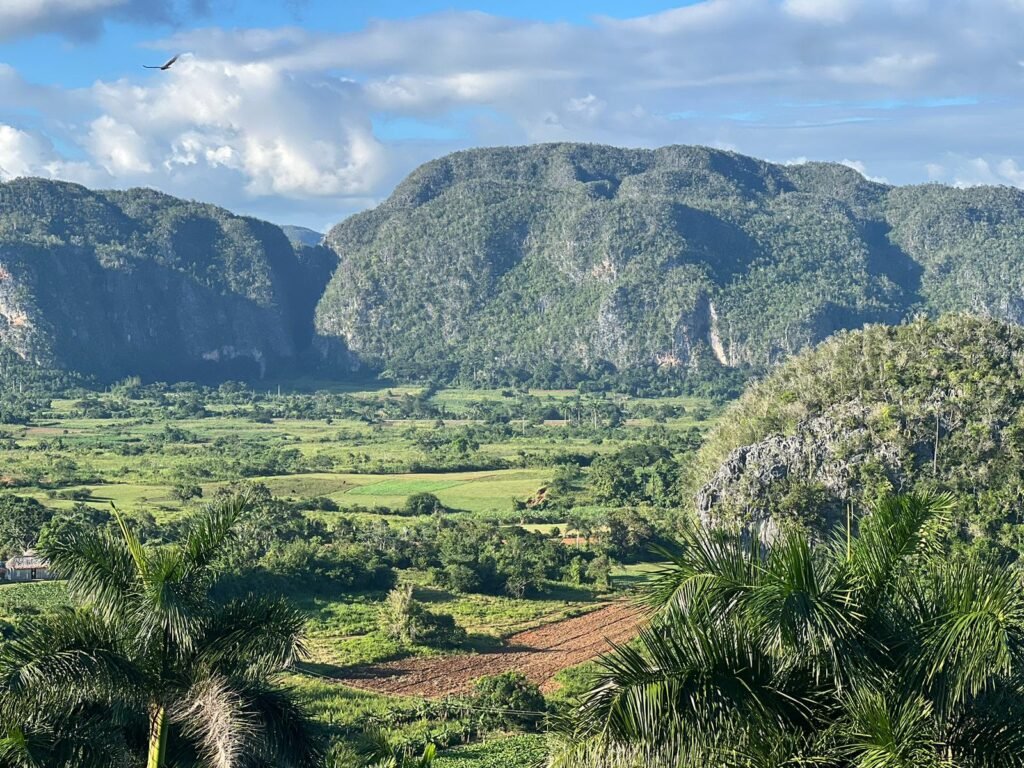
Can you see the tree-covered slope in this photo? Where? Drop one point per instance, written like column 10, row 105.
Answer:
column 137, row 282
column 928, row 405
column 548, row 264
column 546, row 261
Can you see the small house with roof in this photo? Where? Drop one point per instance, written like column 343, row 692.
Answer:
column 27, row 567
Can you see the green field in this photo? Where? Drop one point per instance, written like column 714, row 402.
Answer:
column 360, row 454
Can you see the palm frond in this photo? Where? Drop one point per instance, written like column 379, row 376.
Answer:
column 99, row 569
column 803, row 607
column 887, row 731
column 205, row 543
column 891, row 535
column 975, row 632
column 216, row 716
column 987, row 732
column 685, row 675
column 285, row 737
column 131, row 540
column 68, row 656
column 169, row 606
column 253, row 636
column 710, row 568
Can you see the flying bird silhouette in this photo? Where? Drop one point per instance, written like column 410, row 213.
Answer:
column 163, row 67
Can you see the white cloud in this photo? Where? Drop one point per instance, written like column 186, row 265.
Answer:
column 258, row 119
column 25, row 154
column 117, row 147
column 832, row 11
column 589, row 107
column 284, row 134
column 1011, row 172
column 860, row 168
column 20, row 153
column 972, row 172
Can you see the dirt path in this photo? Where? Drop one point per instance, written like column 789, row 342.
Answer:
column 539, row 654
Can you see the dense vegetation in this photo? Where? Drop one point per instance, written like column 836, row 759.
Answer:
column 420, row 520
column 926, row 405
column 657, row 272
column 556, row 264
column 151, row 663
column 404, row 521
column 882, row 649
column 139, row 283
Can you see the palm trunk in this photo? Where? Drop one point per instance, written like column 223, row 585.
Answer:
column 157, row 736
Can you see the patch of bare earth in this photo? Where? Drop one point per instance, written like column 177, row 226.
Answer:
column 539, row 654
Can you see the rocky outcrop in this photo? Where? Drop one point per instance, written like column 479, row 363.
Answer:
column 495, row 262
column 829, row 454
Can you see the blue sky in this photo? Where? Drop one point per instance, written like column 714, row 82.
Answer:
column 77, row 62
column 308, row 110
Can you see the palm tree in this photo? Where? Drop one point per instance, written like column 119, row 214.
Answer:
column 153, row 661
column 875, row 651
column 381, row 749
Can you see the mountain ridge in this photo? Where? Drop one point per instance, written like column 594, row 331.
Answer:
column 511, row 260
column 126, row 282
column 545, row 264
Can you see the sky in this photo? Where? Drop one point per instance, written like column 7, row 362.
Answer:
column 305, row 111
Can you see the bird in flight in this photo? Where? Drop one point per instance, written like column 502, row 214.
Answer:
column 163, row 67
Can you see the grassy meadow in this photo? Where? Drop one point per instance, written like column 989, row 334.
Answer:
column 358, row 454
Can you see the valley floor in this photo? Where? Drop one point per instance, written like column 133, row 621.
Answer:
column 361, row 456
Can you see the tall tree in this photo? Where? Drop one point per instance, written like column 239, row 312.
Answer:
column 153, row 661
column 874, row 652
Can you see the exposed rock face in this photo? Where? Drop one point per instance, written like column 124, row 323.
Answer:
column 124, row 283
column 827, row 452
column 549, row 264
column 924, row 406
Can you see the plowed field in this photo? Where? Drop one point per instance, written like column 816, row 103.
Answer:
column 539, row 654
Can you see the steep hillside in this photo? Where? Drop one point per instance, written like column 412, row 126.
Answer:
column 545, row 262
column 926, row 405
column 137, row 282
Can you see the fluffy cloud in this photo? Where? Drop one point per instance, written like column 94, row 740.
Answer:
column 282, row 134
column 292, row 119
column 21, row 154
column 860, row 168
column 27, row 154
column 821, row 10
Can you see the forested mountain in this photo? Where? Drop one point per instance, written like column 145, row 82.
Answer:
column 137, row 282
column 547, row 263
column 925, row 406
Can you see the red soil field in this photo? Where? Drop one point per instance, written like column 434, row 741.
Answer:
column 539, row 654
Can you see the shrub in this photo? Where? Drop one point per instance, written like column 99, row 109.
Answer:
column 458, row 577
column 422, row 504
column 509, row 700
column 187, row 491
column 21, row 520
column 318, row 503
column 405, row 620
column 350, row 566
column 599, row 572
